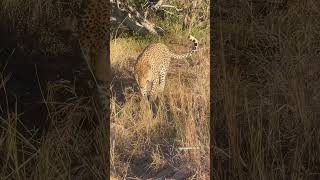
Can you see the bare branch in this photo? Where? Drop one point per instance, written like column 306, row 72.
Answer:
column 131, row 18
column 170, row 6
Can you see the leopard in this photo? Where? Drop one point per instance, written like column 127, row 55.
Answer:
column 152, row 65
column 93, row 36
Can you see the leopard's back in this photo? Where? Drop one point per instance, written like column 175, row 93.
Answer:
column 149, row 64
column 152, row 57
column 153, row 65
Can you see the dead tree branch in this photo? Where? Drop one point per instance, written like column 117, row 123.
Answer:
column 131, row 18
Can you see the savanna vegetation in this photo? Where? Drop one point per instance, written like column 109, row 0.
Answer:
column 267, row 100
column 172, row 142
column 48, row 128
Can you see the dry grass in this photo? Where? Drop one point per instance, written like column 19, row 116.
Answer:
column 146, row 146
column 70, row 147
column 70, row 144
column 268, row 91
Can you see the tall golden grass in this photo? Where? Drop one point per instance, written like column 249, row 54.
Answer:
column 266, row 124
column 148, row 147
column 71, row 146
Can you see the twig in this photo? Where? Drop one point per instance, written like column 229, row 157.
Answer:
column 188, row 148
column 170, row 6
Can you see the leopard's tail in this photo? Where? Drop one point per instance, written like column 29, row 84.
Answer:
column 189, row 54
